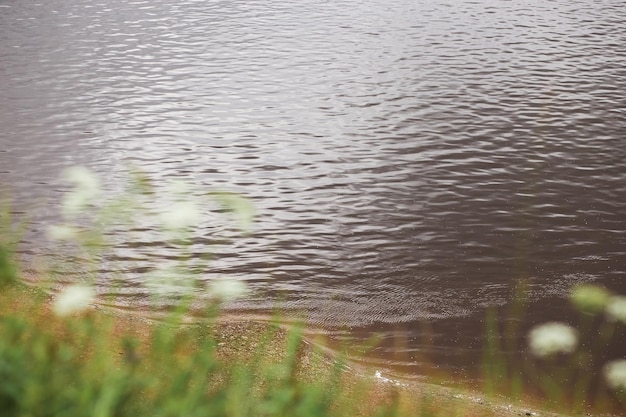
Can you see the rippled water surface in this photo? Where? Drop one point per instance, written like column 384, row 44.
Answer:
column 408, row 160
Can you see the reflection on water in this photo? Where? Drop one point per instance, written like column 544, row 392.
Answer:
column 408, row 160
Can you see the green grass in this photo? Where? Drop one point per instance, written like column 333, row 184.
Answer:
column 96, row 363
column 101, row 365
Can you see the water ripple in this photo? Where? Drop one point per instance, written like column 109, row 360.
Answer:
column 407, row 160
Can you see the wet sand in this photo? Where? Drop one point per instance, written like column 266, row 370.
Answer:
column 240, row 337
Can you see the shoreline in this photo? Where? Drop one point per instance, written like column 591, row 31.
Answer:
column 237, row 335
column 238, row 338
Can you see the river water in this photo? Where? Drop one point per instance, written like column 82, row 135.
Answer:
column 409, row 160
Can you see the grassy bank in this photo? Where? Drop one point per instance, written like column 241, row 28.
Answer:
column 103, row 364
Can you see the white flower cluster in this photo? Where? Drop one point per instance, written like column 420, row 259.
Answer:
column 176, row 215
column 615, row 374
column 73, row 299
column 616, row 308
column 551, row 338
column 181, row 215
column 594, row 299
column 86, row 189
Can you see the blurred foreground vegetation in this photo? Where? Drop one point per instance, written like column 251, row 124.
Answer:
column 62, row 356
column 92, row 363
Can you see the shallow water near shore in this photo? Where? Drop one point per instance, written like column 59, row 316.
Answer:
column 409, row 162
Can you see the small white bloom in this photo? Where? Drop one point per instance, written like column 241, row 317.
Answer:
column 86, row 189
column 550, row 338
column 181, row 215
column 82, row 178
column 61, row 232
column 616, row 308
column 73, row 299
column 590, row 298
column 228, row 289
column 615, row 374
column 75, row 202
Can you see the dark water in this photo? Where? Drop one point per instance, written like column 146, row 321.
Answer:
column 409, row 161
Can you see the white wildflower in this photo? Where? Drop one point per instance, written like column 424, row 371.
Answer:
column 228, row 289
column 590, row 298
column 615, row 374
column 551, row 338
column 82, row 178
column 73, row 299
column 181, row 215
column 86, row 189
column 61, row 232
column 616, row 308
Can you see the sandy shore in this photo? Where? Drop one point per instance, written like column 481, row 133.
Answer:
column 240, row 338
